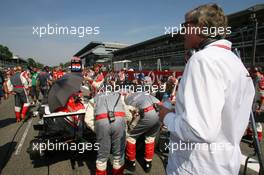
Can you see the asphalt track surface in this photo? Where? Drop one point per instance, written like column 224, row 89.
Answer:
column 15, row 140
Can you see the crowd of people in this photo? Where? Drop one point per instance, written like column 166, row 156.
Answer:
column 215, row 95
column 27, row 85
column 28, row 82
column 38, row 80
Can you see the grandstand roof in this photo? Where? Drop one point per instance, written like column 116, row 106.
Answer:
column 94, row 44
column 15, row 57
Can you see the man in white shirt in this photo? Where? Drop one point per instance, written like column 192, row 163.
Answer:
column 213, row 102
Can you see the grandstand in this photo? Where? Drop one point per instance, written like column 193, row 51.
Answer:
column 167, row 52
column 12, row 62
column 98, row 52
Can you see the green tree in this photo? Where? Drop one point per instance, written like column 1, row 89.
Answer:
column 67, row 64
column 39, row 65
column 31, row 62
column 5, row 52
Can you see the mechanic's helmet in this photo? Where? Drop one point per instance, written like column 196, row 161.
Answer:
column 76, row 64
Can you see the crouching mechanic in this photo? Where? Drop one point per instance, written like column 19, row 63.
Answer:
column 20, row 89
column 147, row 124
column 110, row 128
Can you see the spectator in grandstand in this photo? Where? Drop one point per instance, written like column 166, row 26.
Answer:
column 213, row 101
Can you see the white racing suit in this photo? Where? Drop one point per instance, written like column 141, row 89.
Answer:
column 148, row 124
column 110, row 132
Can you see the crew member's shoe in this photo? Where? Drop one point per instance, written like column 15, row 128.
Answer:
column 130, row 165
column 147, row 166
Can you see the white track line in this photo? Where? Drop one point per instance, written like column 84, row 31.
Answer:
column 23, row 137
column 252, row 166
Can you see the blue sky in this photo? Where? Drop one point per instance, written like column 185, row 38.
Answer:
column 123, row 21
